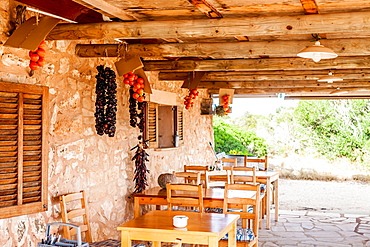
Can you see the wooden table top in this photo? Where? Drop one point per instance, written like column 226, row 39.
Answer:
column 198, row 223
column 211, row 193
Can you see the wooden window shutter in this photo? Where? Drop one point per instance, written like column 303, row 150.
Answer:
column 23, row 149
column 180, row 124
column 151, row 128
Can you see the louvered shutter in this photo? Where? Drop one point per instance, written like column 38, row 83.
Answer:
column 23, row 149
column 152, row 124
column 180, row 124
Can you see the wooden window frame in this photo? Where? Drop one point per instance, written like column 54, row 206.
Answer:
column 151, row 124
column 27, row 191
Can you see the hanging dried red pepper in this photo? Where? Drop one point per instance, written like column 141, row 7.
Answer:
column 106, row 102
column 137, row 119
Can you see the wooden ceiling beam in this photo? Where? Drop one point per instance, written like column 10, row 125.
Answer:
column 66, row 9
column 106, row 9
column 327, row 97
column 206, row 8
column 209, row 28
column 284, row 84
column 343, row 47
column 293, row 91
column 257, row 64
column 361, row 74
column 310, row 7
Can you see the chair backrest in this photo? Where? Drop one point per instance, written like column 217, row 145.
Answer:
column 190, row 177
column 257, row 161
column 243, row 178
column 185, row 195
column 74, row 210
column 217, row 178
column 195, row 168
column 243, row 203
column 229, row 162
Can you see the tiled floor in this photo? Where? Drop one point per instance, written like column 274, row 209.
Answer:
column 311, row 228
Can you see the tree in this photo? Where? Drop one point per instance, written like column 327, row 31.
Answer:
column 338, row 128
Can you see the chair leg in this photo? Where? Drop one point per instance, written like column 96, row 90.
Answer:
column 261, row 214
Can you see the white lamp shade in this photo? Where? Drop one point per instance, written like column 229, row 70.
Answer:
column 329, row 78
column 317, row 52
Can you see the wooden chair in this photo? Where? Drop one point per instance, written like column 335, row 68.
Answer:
column 250, row 180
column 265, row 167
column 185, row 195
column 249, row 211
column 217, row 179
column 257, row 162
column 234, row 178
column 229, row 162
column 195, row 168
column 74, row 210
column 190, row 177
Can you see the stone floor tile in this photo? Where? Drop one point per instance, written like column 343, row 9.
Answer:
column 289, row 212
column 318, row 243
column 291, row 235
column 355, row 215
column 268, row 245
column 308, row 225
column 300, row 220
column 327, row 215
column 329, row 228
column 316, row 229
column 323, row 234
column 278, row 229
column 347, row 227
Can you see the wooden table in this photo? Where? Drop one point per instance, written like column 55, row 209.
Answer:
column 212, row 198
column 264, row 177
column 202, row 228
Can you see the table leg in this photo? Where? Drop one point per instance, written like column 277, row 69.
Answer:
column 276, row 184
column 268, row 203
column 231, row 242
column 125, row 239
column 156, row 243
column 213, row 242
column 136, row 207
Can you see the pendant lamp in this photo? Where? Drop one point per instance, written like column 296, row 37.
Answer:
column 329, row 78
column 317, row 52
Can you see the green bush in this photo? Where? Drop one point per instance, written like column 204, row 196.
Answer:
column 231, row 138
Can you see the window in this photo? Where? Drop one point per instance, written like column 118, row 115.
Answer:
column 164, row 124
column 23, row 149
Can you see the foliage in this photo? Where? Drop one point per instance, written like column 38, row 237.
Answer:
column 337, row 128
column 231, row 138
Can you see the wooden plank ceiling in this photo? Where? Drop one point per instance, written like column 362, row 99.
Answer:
column 250, row 46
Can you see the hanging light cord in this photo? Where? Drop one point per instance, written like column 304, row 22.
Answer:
column 316, row 36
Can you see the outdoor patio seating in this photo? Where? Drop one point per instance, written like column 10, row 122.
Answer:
column 185, row 201
column 248, row 234
column 74, row 210
column 217, row 179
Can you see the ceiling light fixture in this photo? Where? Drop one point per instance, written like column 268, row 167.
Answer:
column 317, row 52
column 329, row 78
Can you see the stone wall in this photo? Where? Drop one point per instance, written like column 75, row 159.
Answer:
column 79, row 159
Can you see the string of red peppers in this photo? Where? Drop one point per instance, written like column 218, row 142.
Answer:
column 226, row 102
column 189, row 99
column 106, row 102
column 37, row 57
column 137, row 119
